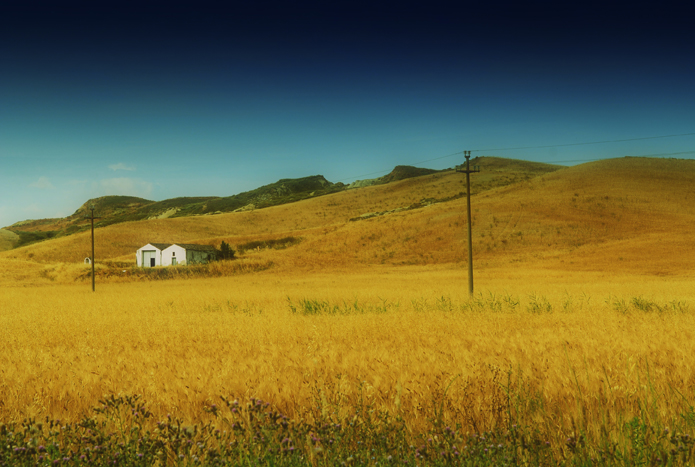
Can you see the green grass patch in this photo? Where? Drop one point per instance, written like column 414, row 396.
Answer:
column 310, row 307
column 27, row 238
column 276, row 243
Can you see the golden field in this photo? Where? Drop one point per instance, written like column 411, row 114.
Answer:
column 583, row 317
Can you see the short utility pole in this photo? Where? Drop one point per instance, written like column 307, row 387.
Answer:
column 91, row 207
column 468, row 171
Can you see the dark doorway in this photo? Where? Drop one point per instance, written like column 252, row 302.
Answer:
column 151, row 262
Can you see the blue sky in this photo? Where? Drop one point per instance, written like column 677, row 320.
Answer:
column 162, row 99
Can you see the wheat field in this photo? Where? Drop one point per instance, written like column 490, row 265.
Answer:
column 583, row 317
column 400, row 336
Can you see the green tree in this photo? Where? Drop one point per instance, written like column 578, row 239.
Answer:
column 225, row 251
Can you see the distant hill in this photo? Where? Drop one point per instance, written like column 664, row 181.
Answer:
column 109, row 209
column 401, row 172
column 118, row 209
column 283, row 191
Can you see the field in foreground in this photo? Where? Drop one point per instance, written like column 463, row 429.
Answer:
column 581, row 365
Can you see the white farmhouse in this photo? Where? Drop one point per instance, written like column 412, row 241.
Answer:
column 150, row 255
column 167, row 254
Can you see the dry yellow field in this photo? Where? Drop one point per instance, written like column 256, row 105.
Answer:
column 583, row 317
column 402, row 338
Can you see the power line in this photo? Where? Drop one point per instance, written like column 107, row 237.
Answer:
column 357, row 177
column 583, row 144
column 662, row 154
column 666, row 154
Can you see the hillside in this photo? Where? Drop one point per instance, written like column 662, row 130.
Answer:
column 333, row 211
column 118, row 209
column 112, row 210
column 281, row 192
column 8, row 239
column 107, row 208
column 630, row 214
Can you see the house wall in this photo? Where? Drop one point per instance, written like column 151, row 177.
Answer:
column 198, row 257
column 148, row 247
column 173, row 251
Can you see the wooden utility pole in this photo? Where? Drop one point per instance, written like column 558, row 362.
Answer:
column 468, row 173
column 92, row 258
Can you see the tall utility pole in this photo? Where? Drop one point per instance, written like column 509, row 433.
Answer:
column 468, row 173
column 92, row 258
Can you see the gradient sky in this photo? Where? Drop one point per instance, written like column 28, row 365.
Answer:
column 168, row 100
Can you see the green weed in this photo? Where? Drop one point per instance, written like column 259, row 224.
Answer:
column 324, row 307
column 538, row 304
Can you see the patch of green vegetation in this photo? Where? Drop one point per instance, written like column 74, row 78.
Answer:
column 275, row 243
column 225, row 251
column 109, row 210
column 281, row 192
column 644, row 305
column 401, row 172
column 324, row 307
column 181, row 205
column 27, row 238
column 73, row 229
column 538, row 304
column 107, row 203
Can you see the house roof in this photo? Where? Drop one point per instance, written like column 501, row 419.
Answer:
column 185, row 246
column 195, row 247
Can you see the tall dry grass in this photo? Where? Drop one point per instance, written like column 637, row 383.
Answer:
column 563, row 354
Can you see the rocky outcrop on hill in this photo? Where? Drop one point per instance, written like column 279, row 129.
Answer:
column 400, row 172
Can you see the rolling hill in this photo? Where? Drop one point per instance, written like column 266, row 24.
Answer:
column 314, row 212
column 629, row 214
column 117, row 209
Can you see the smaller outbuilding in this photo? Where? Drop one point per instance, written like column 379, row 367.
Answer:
column 188, row 253
column 168, row 254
